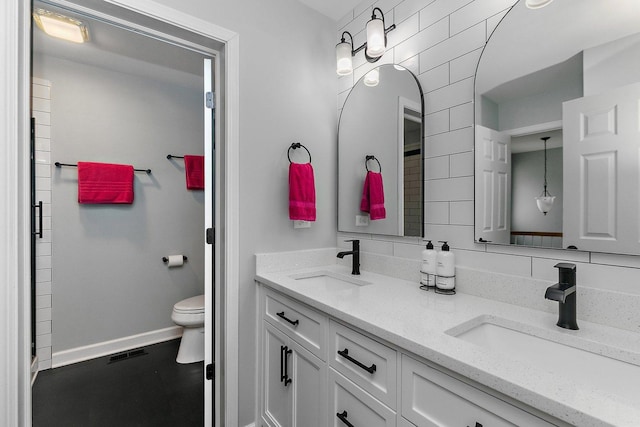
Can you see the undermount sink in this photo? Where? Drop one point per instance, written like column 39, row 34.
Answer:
column 613, row 371
column 329, row 281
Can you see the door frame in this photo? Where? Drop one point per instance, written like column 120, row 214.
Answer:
column 15, row 398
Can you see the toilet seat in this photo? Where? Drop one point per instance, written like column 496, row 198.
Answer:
column 193, row 305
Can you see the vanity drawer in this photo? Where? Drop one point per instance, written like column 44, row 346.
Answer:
column 355, row 406
column 366, row 362
column 431, row 398
column 306, row 326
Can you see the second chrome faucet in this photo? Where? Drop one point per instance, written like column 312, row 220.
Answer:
column 355, row 253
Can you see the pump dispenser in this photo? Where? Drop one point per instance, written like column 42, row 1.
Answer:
column 446, row 268
column 429, row 265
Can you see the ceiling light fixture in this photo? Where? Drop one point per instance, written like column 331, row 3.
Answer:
column 545, row 200
column 61, row 26
column 374, row 47
column 536, row 4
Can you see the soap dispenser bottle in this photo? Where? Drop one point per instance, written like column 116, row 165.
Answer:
column 446, row 269
column 429, row 265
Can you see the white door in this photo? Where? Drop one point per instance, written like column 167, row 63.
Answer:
column 493, row 186
column 211, row 416
column 601, row 159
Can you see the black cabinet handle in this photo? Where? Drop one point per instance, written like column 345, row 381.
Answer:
column 481, row 240
column 285, row 377
column 39, row 207
column 345, row 353
column 342, row 416
column 282, row 350
column 282, row 316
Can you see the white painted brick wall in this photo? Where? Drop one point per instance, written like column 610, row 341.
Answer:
column 441, row 41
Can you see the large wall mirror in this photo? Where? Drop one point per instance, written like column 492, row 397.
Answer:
column 382, row 119
column 557, row 110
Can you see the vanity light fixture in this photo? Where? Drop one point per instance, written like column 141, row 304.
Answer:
column 536, row 4
column 61, row 26
column 545, row 200
column 374, row 47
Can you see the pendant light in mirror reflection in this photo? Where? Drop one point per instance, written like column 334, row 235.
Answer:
column 545, row 200
column 374, row 47
column 61, row 26
column 372, row 78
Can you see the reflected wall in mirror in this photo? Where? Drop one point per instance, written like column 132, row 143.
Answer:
column 384, row 120
column 569, row 71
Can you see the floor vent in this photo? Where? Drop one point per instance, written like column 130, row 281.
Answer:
column 127, row 355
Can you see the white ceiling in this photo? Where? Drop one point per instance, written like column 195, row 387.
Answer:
column 334, row 9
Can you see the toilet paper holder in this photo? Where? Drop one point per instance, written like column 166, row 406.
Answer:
column 166, row 259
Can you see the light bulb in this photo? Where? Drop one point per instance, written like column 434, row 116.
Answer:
column 375, row 38
column 344, row 63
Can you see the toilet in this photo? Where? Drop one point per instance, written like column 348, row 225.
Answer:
column 189, row 313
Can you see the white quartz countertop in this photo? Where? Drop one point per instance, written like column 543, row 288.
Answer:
column 399, row 312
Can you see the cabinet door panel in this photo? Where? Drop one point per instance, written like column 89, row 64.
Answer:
column 276, row 396
column 308, row 388
column 362, row 410
column 431, row 398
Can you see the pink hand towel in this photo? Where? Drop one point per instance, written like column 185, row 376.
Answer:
column 302, row 192
column 373, row 196
column 194, row 172
column 104, row 183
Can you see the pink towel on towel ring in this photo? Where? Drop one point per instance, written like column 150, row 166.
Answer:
column 302, row 192
column 105, row 183
column 373, row 196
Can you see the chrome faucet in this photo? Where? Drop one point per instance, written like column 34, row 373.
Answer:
column 355, row 251
column 565, row 293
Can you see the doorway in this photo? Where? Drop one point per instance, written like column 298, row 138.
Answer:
column 127, row 98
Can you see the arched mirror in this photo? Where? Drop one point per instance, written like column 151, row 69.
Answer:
column 381, row 130
column 558, row 128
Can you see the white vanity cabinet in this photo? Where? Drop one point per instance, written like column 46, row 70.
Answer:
column 318, row 371
column 293, row 379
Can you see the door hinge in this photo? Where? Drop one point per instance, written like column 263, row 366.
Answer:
column 211, row 103
column 209, row 371
column 211, row 236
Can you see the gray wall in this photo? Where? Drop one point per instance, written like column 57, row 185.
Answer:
column 287, row 94
column 527, row 183
column 108, row 277
column 612, row 65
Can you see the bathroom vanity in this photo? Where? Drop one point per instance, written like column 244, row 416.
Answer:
column 372, row 350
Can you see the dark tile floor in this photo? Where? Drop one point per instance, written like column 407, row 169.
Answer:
column 147, row 390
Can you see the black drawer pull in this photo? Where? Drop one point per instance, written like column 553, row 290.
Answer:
column 282, row 361
column 286, row 378
column 345, row 353
column 282, row 316
column 342, row 416
column 38, row 206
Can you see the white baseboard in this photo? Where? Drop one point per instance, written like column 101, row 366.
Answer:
column 80, row 354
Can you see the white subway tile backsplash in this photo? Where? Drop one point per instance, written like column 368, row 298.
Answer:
column 43, row 314
column 363, row 6
column 403, row 31
column 436, row 168
column 42, row 118
column 40, row 104
column 461, row 213
column 43, row 341
column 43, row 170
column 616, row 259
column 43, row 184
column 345, row 83
column 409, row 7
column 438, row 10
column 461, row 116
column 44, row 196
column 462, row 164
column 449, row 96
column 440, row 190
column 421, row 41
column 436, row 123
column 41, row 91
column 515, row 265
column 43, row 157
column 464, row 66
column 43, row 262
column 458, row 236
column 344, row 21
column 476, row 12
column 386, row 5
column 43, row 275
column 436, row 212
column 454, row 47
column 412, row 64
column 377, row 247
column 43, row 144
column 43, row 301
column 43, row 288
column 435, row 78
column 42, row 248
column 408, row 251
column 43, row 328
column 449, row 143
column 44, row 364
column 46, row 223
column 493, row 22
column 43, row 353
column 570, row 256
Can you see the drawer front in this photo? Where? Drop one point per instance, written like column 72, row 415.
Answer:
column 355, row 407
column 306, row 326
column 366, row 362
column 431, row 398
